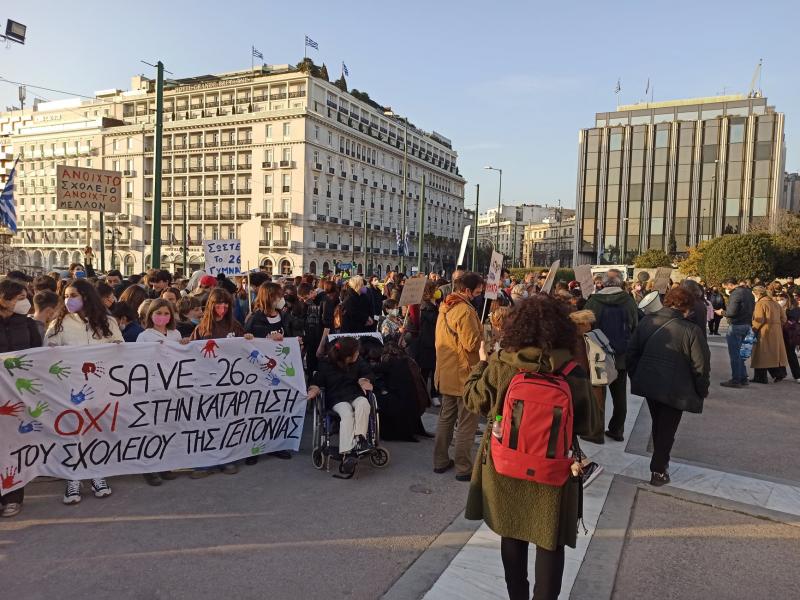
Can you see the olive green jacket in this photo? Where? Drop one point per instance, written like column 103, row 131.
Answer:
column 541, row 514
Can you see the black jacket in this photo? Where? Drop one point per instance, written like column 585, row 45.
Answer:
column 672, row 367
column 376, row 300
column 356, row 311
column 19, row 332
column 341, row 385
column 258, row 324
column 426, row 346
column 741, row 305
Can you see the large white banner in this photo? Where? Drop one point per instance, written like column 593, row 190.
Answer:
column 114, row 409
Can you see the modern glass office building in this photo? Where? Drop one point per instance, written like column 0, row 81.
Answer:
column 669, row 174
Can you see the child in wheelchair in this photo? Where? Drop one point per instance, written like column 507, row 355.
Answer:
column 347, row 379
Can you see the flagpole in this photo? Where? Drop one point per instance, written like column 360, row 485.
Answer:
column 305, row 48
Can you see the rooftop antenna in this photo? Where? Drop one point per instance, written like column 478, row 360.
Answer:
column 755, row 92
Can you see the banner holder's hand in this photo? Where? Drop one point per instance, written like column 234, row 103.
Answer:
column 248, row 336
column 313, row 392
column 365, row 384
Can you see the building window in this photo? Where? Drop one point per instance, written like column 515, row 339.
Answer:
column 615, row 142
column 269, row 132
column 287, row 130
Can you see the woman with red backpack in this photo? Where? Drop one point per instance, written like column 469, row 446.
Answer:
column 525, row 484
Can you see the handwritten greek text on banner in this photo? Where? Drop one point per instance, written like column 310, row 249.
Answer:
column 114, row 409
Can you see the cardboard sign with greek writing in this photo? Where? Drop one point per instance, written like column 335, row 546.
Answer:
column 79, row 188
column 583, row 275
column 413, row 290
column 551, row 277
column 493, row 277
column 114, row 409
column 661, row 281
column 223, row 256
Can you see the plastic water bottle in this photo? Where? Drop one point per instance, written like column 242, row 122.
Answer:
column 497, row 427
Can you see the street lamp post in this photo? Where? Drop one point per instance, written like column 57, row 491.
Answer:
column 404, row 120
column 499, row 196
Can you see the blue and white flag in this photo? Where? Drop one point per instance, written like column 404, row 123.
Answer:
column 405, row 243
column 257, row 54
column 8, row 214
column 311, row 43
column 345, row 70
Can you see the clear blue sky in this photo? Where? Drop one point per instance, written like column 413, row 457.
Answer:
column 509, row 82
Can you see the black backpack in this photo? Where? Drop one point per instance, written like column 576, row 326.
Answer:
column 313, row 319
column 614, row 323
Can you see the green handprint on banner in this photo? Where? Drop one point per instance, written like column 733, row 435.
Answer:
column 283, row 350
column 28, row 385
column 287, row 369
column 17, row 362
column 36, row 411
column 60, row 371
column 258, row 449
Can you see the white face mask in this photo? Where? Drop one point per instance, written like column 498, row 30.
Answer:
column 280, row 304
column 22, row 306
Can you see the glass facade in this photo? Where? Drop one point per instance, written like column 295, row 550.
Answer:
column 672, row 174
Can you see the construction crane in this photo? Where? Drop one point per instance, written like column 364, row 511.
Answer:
column 755, row 92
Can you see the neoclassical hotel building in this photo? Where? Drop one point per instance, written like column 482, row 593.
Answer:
column 312, row 161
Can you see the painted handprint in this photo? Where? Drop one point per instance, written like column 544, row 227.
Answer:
column 272, row 379
column 258, row 449
column 90, row 368
column 209, row 349
column 60, row 371
column 82, row 395
column 283, row 350
column 7, row 482
column 36, row 411
column 17, row 362
column 254, row 356
column 269, row 365
column 11, row 410
column 287, row 369
column 28, row 385
column 28, row 427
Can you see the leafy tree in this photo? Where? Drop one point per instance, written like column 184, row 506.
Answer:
column 652, row 259
column 787, row 246
column 693, row 264
column 745, row 256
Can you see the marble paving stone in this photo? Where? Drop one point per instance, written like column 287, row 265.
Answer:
column 744, row 489
column 696, row 479
column 784, row 498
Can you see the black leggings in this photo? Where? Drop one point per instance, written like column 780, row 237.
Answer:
column 549, row 570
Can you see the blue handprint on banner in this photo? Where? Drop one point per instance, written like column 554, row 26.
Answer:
column 28, row 427
column 83, row 394
column 254, row 356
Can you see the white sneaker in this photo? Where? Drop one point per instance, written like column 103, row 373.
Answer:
column 11, row 509
column 72, row 495
column 100, row 488
column 590, row 472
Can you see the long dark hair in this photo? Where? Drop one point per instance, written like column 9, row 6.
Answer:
column 216, row 296
column 133, row 295
column 341, row 350
column 93, row 312
column 268, row 294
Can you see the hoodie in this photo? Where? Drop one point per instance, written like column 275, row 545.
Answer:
column 458, row 337
column 616, row 316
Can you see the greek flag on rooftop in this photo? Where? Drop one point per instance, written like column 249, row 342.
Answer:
column 8, row 215
column 311, row 43
column 345, row 70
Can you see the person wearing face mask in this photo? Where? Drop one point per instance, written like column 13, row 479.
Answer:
column 346, row 380
column 83, row 320
column 392, row 322
column 769, row 354
column 17, row 332
column 267, row 318
column 718, row 305
column 189, row 314
column 44, row 308
column 458, row 337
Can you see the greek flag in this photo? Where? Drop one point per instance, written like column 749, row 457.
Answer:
column 400, row 248
column 345, row 70
column 257, row 54
column 311, row 43
column 405, row 243
column 8, row 215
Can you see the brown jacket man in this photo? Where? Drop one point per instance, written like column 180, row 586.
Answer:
column 458, row 338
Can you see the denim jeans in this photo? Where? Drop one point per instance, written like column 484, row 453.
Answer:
column 735, row 337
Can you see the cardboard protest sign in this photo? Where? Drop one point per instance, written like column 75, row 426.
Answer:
column 223, row 256
column 413, row 290
column 493, row 277
column 114, row 409
column 583, row 275
column 79, row 188
column 661, row 281
column 464, row 242
column 547, row 286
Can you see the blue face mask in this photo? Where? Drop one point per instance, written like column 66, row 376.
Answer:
column 195, row 321
column 80, row 274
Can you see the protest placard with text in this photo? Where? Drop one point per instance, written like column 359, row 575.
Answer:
column 412, row 290
column 493, row 277
column 114, row 409
column 80, row 188
column 547, row 286
column 223, row 256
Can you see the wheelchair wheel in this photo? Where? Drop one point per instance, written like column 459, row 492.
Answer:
column 318, row 458
column 379, row 458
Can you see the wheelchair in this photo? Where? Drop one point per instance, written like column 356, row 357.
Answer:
column 325, row 437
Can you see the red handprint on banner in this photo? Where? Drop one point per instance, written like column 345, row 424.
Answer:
column 269, row 365
column 11, row 410
column 7, row 482
column 89, row 368
column 209, row 349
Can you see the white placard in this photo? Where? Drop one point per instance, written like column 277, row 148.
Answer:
column 116, row 409
column 223, row 256
column 464, row 242
column 79, row 188
column 493, row 278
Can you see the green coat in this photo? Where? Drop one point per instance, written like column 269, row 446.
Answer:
column 541, row 514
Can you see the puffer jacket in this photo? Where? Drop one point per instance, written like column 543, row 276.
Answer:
column 18, row 332
column 673, row 367
column 542, row 514
column 76, row 332
column 458, row 338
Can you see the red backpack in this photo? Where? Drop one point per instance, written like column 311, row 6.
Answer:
column 537, row 428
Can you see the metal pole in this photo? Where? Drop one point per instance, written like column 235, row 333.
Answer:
column 186, row 240
column 113, row 245
column 364, row 241
column 156, row 221
column 499, row 196
column 405, row 198
column 421, row 241
column 353, row 246
column 102, row 242
column 475, row 228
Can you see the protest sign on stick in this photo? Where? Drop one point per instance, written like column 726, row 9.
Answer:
column 493, row 277
column 583, row 275
column 116, row 409
column 413, row 290
column 661, row 281
column 547, row 286
column 223, row 256
column 80, row 188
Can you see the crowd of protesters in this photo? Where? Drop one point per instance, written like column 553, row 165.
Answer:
column 455, row 349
